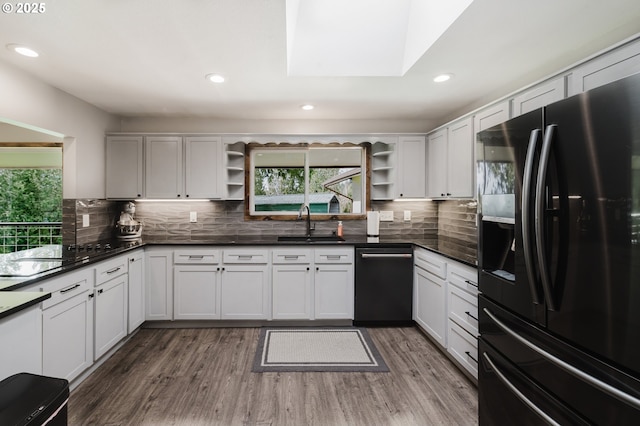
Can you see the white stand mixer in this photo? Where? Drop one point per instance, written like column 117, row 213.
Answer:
column 127, row 227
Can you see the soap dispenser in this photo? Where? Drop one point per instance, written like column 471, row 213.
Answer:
column 339, row 232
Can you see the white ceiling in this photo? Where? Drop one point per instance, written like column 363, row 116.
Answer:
column 150, row 58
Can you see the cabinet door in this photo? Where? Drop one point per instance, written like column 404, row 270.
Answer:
column 437, row 160
column 291, row 292
column 163, row 167
column 612, row 66
column 539, row 96
column 159, row 285
column 124, row 168
column 202, row 167
column 495, row 114
column 196, row 292
column 67, row 337
column 333, row 287
column 21, row 342
column 245, row 292
column 460, row 159
column 429, row 304
column 136, row 290
column 412, row 167
column 110, row 323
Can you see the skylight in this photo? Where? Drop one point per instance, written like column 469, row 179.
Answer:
column 364, row 37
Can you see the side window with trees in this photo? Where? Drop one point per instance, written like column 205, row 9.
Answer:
column 30, row 197
column 331, row 180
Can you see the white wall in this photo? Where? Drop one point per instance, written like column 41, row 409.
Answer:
column 27, row 100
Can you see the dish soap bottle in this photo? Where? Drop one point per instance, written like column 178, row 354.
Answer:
column 339, row 232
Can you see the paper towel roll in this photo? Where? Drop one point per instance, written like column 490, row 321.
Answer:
column 373, row 226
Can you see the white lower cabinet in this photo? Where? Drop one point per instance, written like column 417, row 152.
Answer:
column 67, row 325
column 196, row 284
column 430, row 295
column 136, row 290
column 111, row 304
column 245, row 285
column 159, row 284
column 21, row 342
column 333, row 283
column 196, row 292
column 245, row 292
column 445, row 305
column 291, row 280
column 463, row 316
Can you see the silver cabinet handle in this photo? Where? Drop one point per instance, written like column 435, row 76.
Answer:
column 291, row 257
column 471, row 283
column 111, row 271
column 605, row 387
column 68, row 289
column 517, row 392
column 193, row 257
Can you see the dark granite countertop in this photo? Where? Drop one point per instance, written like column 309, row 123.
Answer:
column 448, row 247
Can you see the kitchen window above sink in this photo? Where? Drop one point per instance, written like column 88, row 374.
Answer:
column 330, row 179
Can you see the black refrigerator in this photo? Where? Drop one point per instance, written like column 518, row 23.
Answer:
column 559, row 262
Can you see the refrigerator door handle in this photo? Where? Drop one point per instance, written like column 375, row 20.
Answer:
column 527, row 241
column 539, row 217
column 517, row 392
column 593, row 381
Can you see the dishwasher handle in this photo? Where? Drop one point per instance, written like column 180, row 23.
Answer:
column 386, row 255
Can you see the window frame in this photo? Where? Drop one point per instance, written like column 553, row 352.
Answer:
column 249, row 181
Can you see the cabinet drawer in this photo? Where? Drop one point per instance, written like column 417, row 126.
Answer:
column 430, row 262
column 464, row 277
column 110, row 269
column 67, row 286
column 464, row 348
column 331, row 255
column 285, row 256
column 463, row 309
column 196, row 257
column 256, row 256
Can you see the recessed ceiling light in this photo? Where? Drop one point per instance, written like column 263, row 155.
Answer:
column 23, row 50
column 307, row 107
column 215, row 78
column 442, row 78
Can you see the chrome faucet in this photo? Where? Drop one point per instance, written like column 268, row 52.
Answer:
column 309, row 228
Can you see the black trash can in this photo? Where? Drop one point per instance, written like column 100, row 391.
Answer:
column 29, row 399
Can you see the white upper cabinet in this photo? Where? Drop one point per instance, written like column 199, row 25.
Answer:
column 460, row 159
column 163, row 168
column 179, row 167
column 437, row 163
column 202, row 174
column 543, row 94
column 411, row 179
column 604, row 69
column 451, row 161
column 489, row 117
column 124, row 168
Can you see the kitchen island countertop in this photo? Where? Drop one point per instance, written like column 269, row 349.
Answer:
column 15, row 301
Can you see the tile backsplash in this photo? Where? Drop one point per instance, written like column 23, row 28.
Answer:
column 452, row 221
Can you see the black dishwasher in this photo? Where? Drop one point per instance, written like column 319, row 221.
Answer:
column 384, row 285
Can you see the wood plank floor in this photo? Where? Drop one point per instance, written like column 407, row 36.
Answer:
column 203, row 377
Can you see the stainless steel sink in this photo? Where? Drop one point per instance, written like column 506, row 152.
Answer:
column 311, row 239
